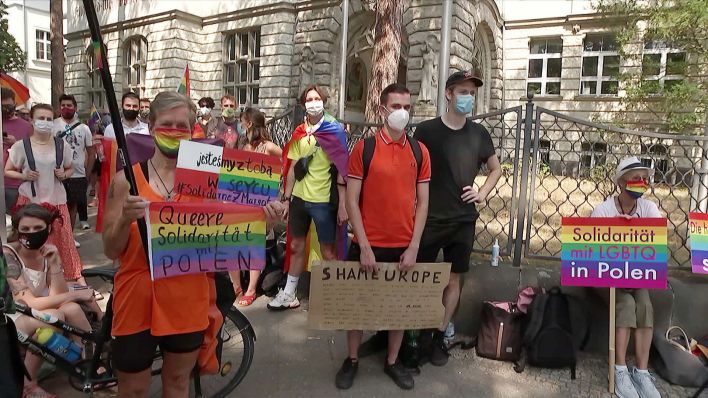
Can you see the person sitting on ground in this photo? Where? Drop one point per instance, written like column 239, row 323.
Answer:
column 634, row 309
column 44, row 183
column 41, row 284
column 253, row 122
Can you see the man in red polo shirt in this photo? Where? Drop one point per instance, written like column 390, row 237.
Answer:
column 387, row 203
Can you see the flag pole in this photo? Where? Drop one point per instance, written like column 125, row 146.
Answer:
column 103, row 67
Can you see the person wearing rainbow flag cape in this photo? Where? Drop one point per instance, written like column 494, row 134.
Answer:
column 634, row 308
column 315, row 165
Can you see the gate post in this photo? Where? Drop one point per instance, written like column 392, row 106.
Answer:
column 523, row 186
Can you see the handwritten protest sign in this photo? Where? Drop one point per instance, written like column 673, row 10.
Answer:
column 228, row 175
column 344, row 297
column 698, row 229
column 614, row 252
column 187, row 238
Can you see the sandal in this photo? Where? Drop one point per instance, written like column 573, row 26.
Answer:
column 247, row 300
column 238, row 291
column 35, row 391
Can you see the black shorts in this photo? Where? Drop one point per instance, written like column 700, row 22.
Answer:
column 76, row 190
column 135, row 352
column 382, row 254
column 455, row 240
column 324, row 215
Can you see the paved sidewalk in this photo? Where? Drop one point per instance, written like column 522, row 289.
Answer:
column 292, row 361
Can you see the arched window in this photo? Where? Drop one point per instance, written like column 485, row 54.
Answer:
column 96, row 95
column 135, row 64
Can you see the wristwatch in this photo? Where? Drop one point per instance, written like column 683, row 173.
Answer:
column 285, row 198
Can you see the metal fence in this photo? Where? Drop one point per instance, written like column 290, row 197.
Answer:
column 554, row 166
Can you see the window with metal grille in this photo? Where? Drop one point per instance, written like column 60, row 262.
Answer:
column 545, row 65
column 135, row 52
column 663, row 66
column 43, row 42
column 601, row 61
column 593, row 154
column 242, row 55
column 96, row 95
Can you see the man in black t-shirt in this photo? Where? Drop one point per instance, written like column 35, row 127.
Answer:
column 458, row 148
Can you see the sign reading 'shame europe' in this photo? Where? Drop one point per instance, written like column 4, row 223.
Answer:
column 614, row 252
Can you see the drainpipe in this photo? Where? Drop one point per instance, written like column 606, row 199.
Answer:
column 444, row 62
column 343, row 58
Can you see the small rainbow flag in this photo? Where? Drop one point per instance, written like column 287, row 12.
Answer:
column 22, row 93
column 190, row 237
column 94, row 117
column 184, row 87
column 698, row 229
column 97, row 54
column 614, row 252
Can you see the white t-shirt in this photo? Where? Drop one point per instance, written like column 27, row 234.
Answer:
column 48, row 188
column 78, row 139
column 140, row 128
column 645, row 209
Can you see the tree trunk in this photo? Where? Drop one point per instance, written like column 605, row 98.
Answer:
column 387, row 51
column 56, row 26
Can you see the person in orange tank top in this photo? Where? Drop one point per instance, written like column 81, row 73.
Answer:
column 172, row 312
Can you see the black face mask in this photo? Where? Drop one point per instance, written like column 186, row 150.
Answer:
column 8, row 111
column 34, row 240
column 130, row 114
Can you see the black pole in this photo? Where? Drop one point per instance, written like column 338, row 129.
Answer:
column 103, row 67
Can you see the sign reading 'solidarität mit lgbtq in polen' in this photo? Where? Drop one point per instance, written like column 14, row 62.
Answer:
column 614, row 252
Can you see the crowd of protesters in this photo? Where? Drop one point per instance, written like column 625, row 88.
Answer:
column 406, row 201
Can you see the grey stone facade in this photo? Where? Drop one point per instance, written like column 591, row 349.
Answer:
column 196, row 32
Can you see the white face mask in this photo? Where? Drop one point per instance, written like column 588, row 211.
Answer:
column 204, row 111
column 314, row 108
column 398, row 119
column 43, row 126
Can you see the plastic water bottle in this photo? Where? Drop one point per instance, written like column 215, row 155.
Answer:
column 58, row 344
column 495, row 253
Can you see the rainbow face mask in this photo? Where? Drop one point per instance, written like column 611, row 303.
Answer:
column 167, row 140
column 636, row 189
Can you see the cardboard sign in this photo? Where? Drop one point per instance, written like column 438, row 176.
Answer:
column 614, row 252
column 698, row 232
column 187, row 238
column 227, row 175
column 344, row 297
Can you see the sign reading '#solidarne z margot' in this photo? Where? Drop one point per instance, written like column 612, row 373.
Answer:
column 614, row 252
column 698, row 228
column 227, row 175
column 187, row 238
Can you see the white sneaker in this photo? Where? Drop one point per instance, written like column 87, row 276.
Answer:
column 644, row 384
column 76, row 243
column 624, row 388
column 283, row 301
column 85, row 225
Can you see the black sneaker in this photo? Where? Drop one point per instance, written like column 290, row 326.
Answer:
column 439, row 355
column 400, row 375
column 375, row 344
column 346, row 374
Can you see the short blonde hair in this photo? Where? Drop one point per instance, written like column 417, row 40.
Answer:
column 168, row 100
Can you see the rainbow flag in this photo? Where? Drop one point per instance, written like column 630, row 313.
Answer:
column 614, row 252
column 22, row 93
column 698, row 230
column 184, row 86
column 94, row 117
column 191, row 237
column 98, row 58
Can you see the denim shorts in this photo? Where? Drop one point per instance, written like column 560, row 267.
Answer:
column 324, row 215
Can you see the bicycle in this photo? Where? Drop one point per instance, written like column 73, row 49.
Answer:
column 83, row 374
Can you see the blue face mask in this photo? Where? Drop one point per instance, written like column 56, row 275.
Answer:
column 464, row 103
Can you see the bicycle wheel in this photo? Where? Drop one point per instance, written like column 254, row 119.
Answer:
column 236, row 356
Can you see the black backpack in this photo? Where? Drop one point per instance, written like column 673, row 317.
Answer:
column 548, row 339
column 59, row 149
column 370, row 146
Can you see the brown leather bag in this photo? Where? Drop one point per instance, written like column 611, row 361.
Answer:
column 501, row 331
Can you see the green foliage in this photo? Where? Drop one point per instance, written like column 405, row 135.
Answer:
column 12, row 58
column 680, row 105
column 544, row 170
